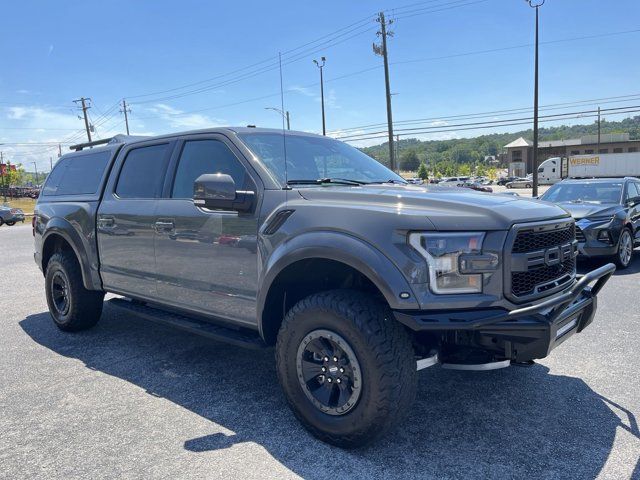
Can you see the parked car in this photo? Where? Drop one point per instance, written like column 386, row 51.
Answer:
column 520, row 183
column 607, row 214
column 10, row 216
column 505, row 180
column 477, row 186
column 357, row 279
column 453, row 181
column 415, row 181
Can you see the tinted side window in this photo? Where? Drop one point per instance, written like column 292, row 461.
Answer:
column 632, row 191
column 143, row 172
column 77, row 175
column 205, row 156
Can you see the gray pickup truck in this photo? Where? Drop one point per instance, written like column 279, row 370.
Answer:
column 261, row 237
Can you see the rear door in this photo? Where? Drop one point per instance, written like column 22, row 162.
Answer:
column 207, row 260
column 633, row 195
column 126, row 220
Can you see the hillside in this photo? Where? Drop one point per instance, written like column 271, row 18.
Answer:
column 474, row 150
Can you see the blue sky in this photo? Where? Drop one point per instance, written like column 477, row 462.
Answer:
column 54, row 52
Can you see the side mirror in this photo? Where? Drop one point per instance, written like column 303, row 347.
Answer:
column 217, row 191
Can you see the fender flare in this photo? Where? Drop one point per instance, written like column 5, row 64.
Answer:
column 63, row 228
column 343, row 248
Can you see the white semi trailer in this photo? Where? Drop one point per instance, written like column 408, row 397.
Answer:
column 589, row 166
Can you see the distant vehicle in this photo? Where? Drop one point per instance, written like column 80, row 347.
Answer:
column 520, row 183
column 607, row 214
column 415, row 180
column 513, row 194
column 435, row 181
column 453, row 181
column 611, row 165
column 505, row 180
column 478, row 187
column 10, row 216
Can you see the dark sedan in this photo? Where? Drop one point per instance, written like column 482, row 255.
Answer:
column 607, row 214
column 477, row 187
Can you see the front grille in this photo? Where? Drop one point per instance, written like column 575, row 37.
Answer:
column 580, row 235
column 530, row 241
column 524, row 283
column 542, row 259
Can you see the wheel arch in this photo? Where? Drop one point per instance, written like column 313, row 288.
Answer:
column 319, row 261
column 60, row 236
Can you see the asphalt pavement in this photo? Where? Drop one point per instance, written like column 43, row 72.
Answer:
column 130, row 399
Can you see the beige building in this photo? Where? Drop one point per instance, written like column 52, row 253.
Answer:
column 520, row 152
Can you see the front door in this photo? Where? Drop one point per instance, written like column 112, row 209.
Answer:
column 126, row 221
column 206, row 260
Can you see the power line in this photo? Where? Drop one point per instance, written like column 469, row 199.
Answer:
column 489, row 124
column 498, row 113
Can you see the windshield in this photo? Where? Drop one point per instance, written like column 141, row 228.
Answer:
column 591, row 192
column 313, row 158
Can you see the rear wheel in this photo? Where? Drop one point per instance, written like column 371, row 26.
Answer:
column 11, row 224
column 528, row 185
column 72, row 306
column 625, row 249
column 347, row 368
column 509, row 186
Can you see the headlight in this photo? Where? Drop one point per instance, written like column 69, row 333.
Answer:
column 601, row 218
column 443, row 252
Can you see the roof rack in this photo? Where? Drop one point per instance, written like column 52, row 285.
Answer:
column 115, row 139
column 81, row 146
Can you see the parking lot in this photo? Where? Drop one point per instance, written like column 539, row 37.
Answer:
column 129, row 399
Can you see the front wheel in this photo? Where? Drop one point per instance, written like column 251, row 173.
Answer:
column 346, row 366
column 625, row 249
column 527, row 185
column 11, row 224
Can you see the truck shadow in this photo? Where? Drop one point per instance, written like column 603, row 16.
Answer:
column 517, row 422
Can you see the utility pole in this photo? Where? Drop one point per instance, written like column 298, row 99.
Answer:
column 398, row 147
column 288, row 121
column 4, row 173
column 125, row 110
column 321, row 66
column 50, row 164
column 598, row 129
column 382, row 50
column 536, row 6
column 85, row 107
column 59, row 150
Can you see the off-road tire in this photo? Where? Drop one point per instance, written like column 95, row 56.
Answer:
column 383, row 350
column 617, row 258
column 83, row 307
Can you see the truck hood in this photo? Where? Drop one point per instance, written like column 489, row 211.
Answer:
column 583, row 210
column 446, row 208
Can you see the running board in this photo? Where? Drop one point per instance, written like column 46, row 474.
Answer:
column 477, row 366
column 189, row 324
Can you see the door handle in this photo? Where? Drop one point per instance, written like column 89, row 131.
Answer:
column 165, row 226
column 106, row 222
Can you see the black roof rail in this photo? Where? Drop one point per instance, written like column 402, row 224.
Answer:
column 81, row 146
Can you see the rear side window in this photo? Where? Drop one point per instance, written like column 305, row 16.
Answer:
column 77, row 175
column 143, row 171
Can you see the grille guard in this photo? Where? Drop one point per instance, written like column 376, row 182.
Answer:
column 549, row 310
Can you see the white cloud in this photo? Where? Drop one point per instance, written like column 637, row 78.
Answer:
column 179, row 119
column 329, row 98
column 50, row 49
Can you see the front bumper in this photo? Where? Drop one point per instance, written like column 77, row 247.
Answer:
column 523, row 334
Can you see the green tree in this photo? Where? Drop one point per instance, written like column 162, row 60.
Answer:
column 409, row 160
column 423, row 173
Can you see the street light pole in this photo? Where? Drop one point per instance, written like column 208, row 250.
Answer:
column 535, row 5
column 284, row 114
column 320, row 66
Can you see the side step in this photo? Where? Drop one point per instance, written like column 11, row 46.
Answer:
column 189, row 324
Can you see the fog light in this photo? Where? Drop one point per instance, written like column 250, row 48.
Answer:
column 605, row 236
